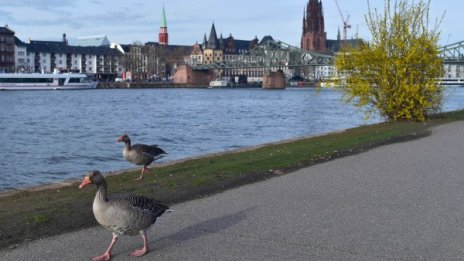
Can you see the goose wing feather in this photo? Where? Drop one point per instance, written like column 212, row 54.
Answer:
column 156, row 208
column 129, row 214
column 150, row 149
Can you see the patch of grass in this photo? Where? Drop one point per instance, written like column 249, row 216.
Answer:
column 32, row 214
column 37, row 219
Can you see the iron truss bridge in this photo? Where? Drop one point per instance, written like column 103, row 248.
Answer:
column 270, row 54
column 452, row 53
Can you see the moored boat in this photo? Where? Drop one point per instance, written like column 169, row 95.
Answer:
column 45, row 81
column 218, row 83
column 330, row 82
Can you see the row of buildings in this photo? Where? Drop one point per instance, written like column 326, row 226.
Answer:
column 90, row 55
column 151, row 61
column 106, row 61
column 100, row 59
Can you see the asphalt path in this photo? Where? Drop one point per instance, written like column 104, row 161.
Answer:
column 397, row 202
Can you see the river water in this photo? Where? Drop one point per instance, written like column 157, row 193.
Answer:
column 51, row 136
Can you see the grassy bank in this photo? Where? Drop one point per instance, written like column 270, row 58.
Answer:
column 32, row 214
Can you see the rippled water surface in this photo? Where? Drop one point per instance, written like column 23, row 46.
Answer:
column 50, row 136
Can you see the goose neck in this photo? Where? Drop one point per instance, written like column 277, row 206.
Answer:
column 101, row 193
column 127, row 144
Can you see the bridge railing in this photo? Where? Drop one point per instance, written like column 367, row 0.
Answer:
column 268, row 55
column 452, row 52
column 280, row 54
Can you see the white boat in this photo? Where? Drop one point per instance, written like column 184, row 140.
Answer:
column 331, row 82
column 218, row 83
column 45, row 81
column 327, row 84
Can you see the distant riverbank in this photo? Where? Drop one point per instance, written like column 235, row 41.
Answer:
column 136, row 85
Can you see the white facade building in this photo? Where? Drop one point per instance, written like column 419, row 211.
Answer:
column 103, row 62
column 21, row 58
column 453, row 71
column 326, row 71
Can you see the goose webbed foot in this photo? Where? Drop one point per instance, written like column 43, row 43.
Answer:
column 139, row 252
column 144, row 250
column 105, row 257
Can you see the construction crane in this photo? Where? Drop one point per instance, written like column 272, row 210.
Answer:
column 346, row 24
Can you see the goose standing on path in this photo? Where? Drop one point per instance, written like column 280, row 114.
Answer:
column 128, row 214
column 140, row 154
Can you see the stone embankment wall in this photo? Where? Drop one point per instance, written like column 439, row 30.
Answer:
column 134, row 85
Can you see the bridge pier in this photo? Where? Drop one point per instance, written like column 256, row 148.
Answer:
column 274, row 80
column 185, row 75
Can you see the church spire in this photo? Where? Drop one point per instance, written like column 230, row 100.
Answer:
column 204, row 42
column 304, row 20
column 221, row 42
column 163, row 33
column 163, row 19
column 213, row 39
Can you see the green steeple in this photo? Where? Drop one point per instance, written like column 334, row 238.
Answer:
column 163, row 19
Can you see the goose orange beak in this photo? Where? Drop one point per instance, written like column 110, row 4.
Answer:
column 85, row 182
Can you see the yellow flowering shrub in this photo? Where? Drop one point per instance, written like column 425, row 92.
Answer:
column 396, row 74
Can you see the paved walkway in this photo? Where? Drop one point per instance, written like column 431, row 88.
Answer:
column 397, row 202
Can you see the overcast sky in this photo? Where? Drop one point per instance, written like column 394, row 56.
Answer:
column 139, row 20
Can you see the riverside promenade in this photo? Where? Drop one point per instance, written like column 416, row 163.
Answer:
column 402, row 201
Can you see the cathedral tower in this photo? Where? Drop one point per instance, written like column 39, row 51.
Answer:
column 314, row 38
column 163, row 33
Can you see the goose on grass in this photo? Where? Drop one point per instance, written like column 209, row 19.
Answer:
column 140, row 154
